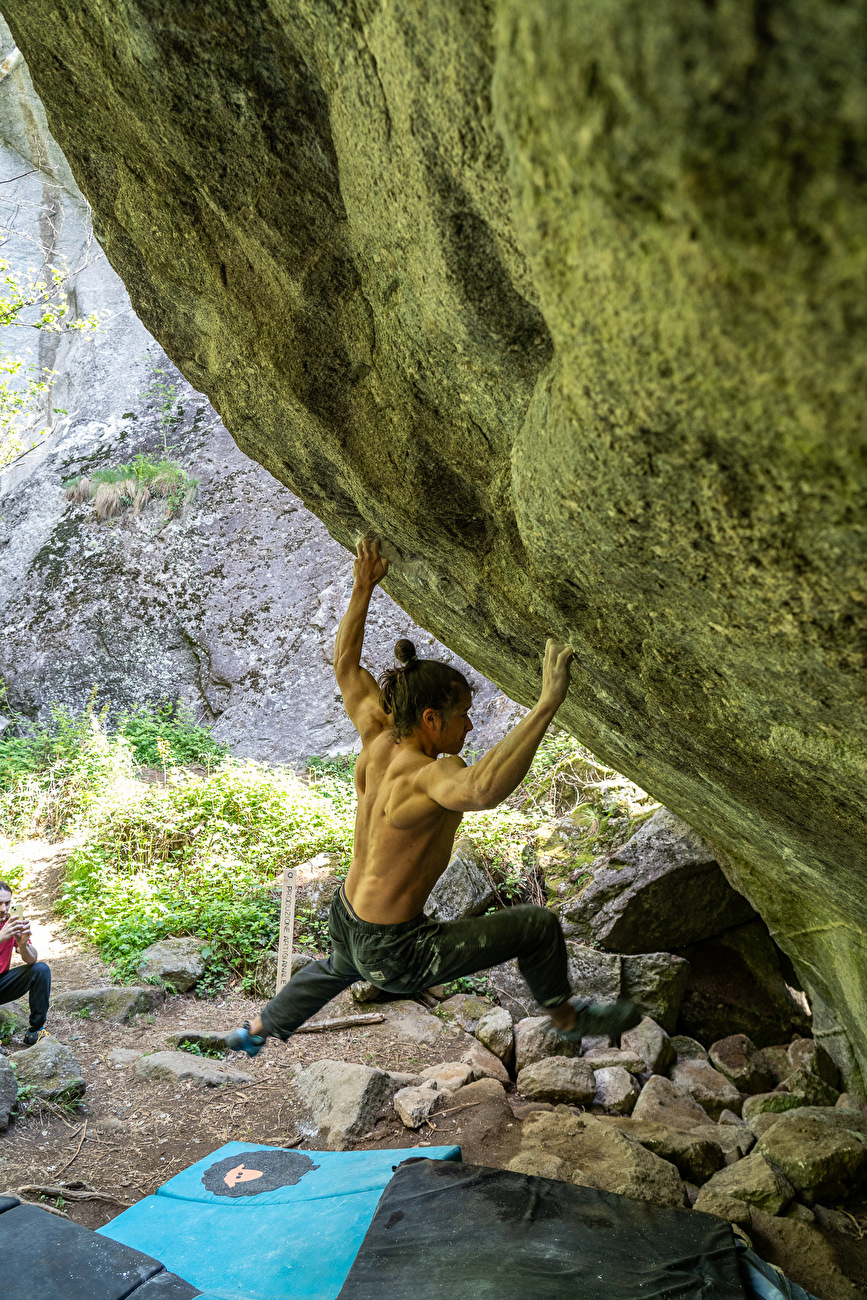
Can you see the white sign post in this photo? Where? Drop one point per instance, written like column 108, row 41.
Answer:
column 287, row 929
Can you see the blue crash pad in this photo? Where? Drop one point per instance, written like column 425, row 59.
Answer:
column 295, row 1238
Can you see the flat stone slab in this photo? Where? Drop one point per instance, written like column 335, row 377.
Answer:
column 108, row 1003
column 119, row 1056
column 177, row 1067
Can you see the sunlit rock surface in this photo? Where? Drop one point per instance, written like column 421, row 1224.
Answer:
column 566, row 300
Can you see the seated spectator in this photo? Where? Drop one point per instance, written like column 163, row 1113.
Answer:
column 33, row 978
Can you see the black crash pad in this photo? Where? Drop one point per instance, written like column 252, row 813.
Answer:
column 44, row 1257
column 444, row 1229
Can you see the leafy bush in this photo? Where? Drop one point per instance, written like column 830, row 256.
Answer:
column 184, row 741
column 132, row 486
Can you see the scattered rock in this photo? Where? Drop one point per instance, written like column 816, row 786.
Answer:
column 265, row 975
column 558, row 1078
column 664, row 1102
column 770, row 1103
column 754, row 1181
column 595, row 976
column 696, row 1158
column 177, row 962
column 802, row 1252
column 616, row 1090
column 814, row 1090
column 663, row 888
column 595, row 1153
column 482, row 1115
column 742, row 1063
column 364, row 991
column 464, row 889
column 51, row 1070
column 735, row 1142
column 414, row 1105
column 123, row 1056
column 316, row 883
column 821, row 1161
column 848, row 1101
column 729, row 1117
column 539, row 1164
column 608, row 1058
column 410, row 1022
column 656, row 981
column 807, row 1054
column 536, row 1040
column 687, row 1049
column 724, row 1207
column 710, row 1089
column 650, row 1041
column 113, row 1004
column 343, row 1099
column 495, row 1031
column 176, row 1067
column 448, row 1077
column 14, row 1014
column 737, row 986
column 206, row 1040
column 778, row 1063
column 800, row 1212
column 484, row 1064
column 464, row 1010
column 8, row 1091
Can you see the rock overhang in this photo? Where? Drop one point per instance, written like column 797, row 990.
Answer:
column 565, row 302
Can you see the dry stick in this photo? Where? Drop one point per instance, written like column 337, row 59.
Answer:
column 77, row 1149
column 340, row 1022
column 466, row 1105
column 72, row 1193
column 40, row 1205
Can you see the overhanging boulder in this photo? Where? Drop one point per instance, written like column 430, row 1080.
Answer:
column 563, row 301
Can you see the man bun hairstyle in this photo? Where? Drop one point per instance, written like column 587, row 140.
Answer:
column 418, row 684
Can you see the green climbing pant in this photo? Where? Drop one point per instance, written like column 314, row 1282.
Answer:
column 413, row 955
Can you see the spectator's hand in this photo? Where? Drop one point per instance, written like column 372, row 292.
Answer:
column 7, row 931
column 23, row 932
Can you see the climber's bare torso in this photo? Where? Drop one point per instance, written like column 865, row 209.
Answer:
column 403, row 838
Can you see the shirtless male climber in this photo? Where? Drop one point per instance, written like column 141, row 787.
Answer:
column 412, row 791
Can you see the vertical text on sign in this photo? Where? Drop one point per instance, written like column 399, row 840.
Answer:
column 287, row 928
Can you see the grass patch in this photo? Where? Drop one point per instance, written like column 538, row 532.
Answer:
column 130, row 487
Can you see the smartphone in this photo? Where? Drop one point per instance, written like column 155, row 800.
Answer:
column 16, row 911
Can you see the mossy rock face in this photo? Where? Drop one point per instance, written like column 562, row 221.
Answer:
column 566, row 301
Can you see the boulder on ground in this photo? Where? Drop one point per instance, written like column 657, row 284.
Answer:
column 558, row 1078
column 205, row 1039
column 803, row 1253
column 316, row 882
column 710, row 1089
column 742, row 1063
column 495, row 1031
column 696, row 1158
column 536, row 1040
column 343, row 1099
column 723, row 1207
column 594, row 976
column 464, row 1010
column 650, row 1041
column 595, row 1153
column 735, row 1142
column 410, row 1022
column 109, row 1003
column 616, row 1090
column 265, row 973
column 820, row 1160
column 464, row 889
column 177, row 962
column 484, row 1064
column 662, row 889
column 729, row 1117
column 414, row 1105
column 50, row 1070
column 120, row 1056
column 778, row 1063
column 448, row 1076
column 539, row 1164
column 178, row 1067
column 664, row 1102
column 806, row 1054
column 688, row 1049
column 364, row 991
column 848, row 1101
column 754, row 1181
column 609, row 1058
column 656, row 982
column 737, row 985
column 814, row 1090
column 8, row 1091
column 770, row 1103
column 13, row 1014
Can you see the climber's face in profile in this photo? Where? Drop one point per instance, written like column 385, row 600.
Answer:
column 453, row 726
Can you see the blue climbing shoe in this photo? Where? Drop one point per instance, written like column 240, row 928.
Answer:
column 596, row 1019
column 241, row 1040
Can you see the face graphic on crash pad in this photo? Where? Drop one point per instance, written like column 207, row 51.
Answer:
column 252, row 1172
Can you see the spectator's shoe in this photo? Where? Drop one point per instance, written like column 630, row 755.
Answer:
column 595, row 1019
column 34, row 1036
column 241, row 1040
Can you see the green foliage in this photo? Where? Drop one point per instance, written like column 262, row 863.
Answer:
column 8, row 1026
column 477, row 985
column 183, row 740
column 202, row 1049
column 131, row 486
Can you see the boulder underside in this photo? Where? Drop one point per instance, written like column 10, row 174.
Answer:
column 565, row 301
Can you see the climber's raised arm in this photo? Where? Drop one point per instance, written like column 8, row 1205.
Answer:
column 358, row 688
column 453, row 785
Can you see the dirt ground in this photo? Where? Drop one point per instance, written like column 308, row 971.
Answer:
column 138, row 1133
